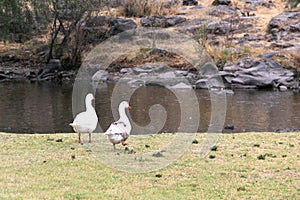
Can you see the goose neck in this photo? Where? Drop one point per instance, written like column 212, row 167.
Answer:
column 123, row 115
column 89, row 106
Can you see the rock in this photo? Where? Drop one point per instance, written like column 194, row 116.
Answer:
column 283, row 88
column 170, row 3
column 181, row 73
column 295, row 27
column 153, row 75
column 161, row 21
column 229, row 127
column 267, row 73
column 282, row 45
column 245, row 79
column 285, row 26
column 193, row 26
column 149, row 69
column 219, row 28
column 221, row 2
column 167, row 75
column 100, row 75
column 172, row 21
column 189, row 3
column 269, row 55
column 51, row 67
column 208, row 70
column 222, row 10
column 253, row 37
column 181, row 86
column 196, row 8
column 98, row 28
column 119, row 25
column 97, row 21
column 125, row 70
column 209, row 83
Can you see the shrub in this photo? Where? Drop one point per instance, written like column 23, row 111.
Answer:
column 142, row 8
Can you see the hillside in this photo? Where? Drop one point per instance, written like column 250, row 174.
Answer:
column 229, row 30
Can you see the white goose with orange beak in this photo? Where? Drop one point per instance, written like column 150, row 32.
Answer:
column 119, row 131
column 86, row 122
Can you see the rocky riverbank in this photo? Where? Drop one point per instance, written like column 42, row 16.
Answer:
column 254, row 44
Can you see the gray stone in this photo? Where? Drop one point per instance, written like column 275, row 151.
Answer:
column 119, row 25
column 181, row 85
column 181, row 73
column 209, row 83
column 189, row 2
column 209, row 69
column 51, row 67
column 167, row 75
column 283, row 88
column 100, row 75
column 285, row 26
column 221, row 2
column 265, row 73
column 222, row 10
column 295, row 27
column 126, row 70
column 219, row 27
column 161, row 21
column 149, row 69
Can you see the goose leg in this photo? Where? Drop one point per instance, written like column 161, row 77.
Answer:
column 90, row 137
column 124, row 143
column 114, row 147
column 79, row 139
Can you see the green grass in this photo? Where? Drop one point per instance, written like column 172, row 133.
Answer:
column 56, row 167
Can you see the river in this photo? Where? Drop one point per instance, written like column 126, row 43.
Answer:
column 47, row 108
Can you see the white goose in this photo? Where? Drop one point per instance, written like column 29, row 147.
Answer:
column 86, row 122
column 119, row 131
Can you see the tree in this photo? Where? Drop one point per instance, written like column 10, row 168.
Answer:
column 19, row 19
column 68, row 17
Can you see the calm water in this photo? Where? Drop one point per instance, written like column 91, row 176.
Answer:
column 47, row 108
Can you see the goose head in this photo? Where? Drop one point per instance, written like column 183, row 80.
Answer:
column 124, row 104
column 89, row 97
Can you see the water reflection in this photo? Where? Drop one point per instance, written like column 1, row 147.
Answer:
column 47, row 108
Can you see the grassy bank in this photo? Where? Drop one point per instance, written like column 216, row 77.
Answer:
column 244, row 166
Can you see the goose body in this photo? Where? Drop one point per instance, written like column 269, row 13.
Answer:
column 86, row 122
column 119, row 131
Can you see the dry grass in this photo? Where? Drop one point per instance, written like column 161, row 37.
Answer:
column 143, row 8
column 56, row 167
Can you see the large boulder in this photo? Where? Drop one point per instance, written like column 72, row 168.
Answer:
column 209, row 77
column 256, row 73
column 285, row 26
column 97, row 29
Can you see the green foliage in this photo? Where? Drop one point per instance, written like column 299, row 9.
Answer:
column 19, row 19
column 294, row 3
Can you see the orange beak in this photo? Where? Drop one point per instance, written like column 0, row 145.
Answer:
column 129, row 107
